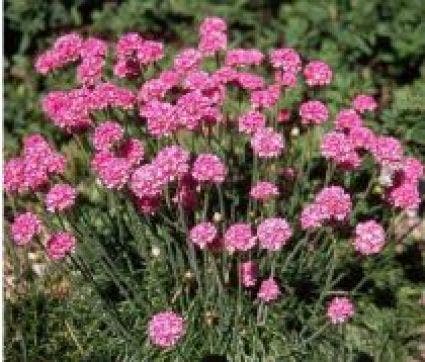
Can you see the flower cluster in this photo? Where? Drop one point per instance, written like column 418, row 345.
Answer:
column 192, row 171
column 33, row 168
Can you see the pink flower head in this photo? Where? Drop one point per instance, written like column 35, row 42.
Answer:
column 225, row 75
column 285, row 79
column 106, row 135
column 161, row 118
column 128, row 44
column 362, row 138
column 212, row 24
column 404, row 195
column 249, row 81
column 347, row 119
column 340, row 309
column 203, row 234
column 166, row 329
column 370, row 237
column 172, row 161
column 150, row 51
column 147, row 181
column 113, row 171
column 93, row 47
column 266, row 98
column 286, row 59
column 187, row 61
column 239, row 237
column 209, row 168
column 388, row 151
column 312, row 217
column 412, row 169
column 66, row 49
column 269, row 290
column 248, row 273
column 59, row 245
column 273, row 233
column 14, row 177
column 267, row 143
column 317, row 73
column 213, row 35
column 313, row 112
column 132, row 150
column 24, row 227
column 363, row 103
column 334, row 202
column 336, row 146
column 251, row 121
column 60, row 197
column 89, row 72
column 263, row 191
column 243, row 57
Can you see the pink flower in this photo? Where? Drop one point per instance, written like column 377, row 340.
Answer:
column 14, row 177
column 267, row 143
column 330, row 204
column 340, row 309
column 89, row 72
column 172, row 161
column 150, row 52
column 248, row 273
column 209, row 168
column 203, row 234
column 362, row 138
column 24, row 227
column 93, row 47
column 132, row 150
column 213, row 35
column 147, row 181
column 412, row 169
column 243, row 57
column 337, row 147
column 106, row 135
column 225, row 75
column 273, row 233
column 166, row 329
column 264, row 191
column 66, row 49
column 335, row 203
column 313, row 112
column 60, row 197
column 286, row 59
column 285, row 79
column 387, row 151
column 404, row 195
column 347, row 119
column 161, row 118
column 312, row 217
column 364, row 103
column 370, row 237
column 269, row 290
column 266, row 98
column 112, row 171
column 249, row 81
column 317, row 73
column 239, row 237
column 188, row 60
column 251, row 121
column 59, row 245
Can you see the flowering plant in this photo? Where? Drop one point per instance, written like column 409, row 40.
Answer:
column 218, row 195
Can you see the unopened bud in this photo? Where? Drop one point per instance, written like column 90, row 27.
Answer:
column 295, row 132
column 217, row 217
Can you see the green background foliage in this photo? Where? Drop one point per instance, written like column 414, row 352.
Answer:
column 376, row 46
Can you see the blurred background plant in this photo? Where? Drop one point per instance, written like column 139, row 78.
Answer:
column 376, row 46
